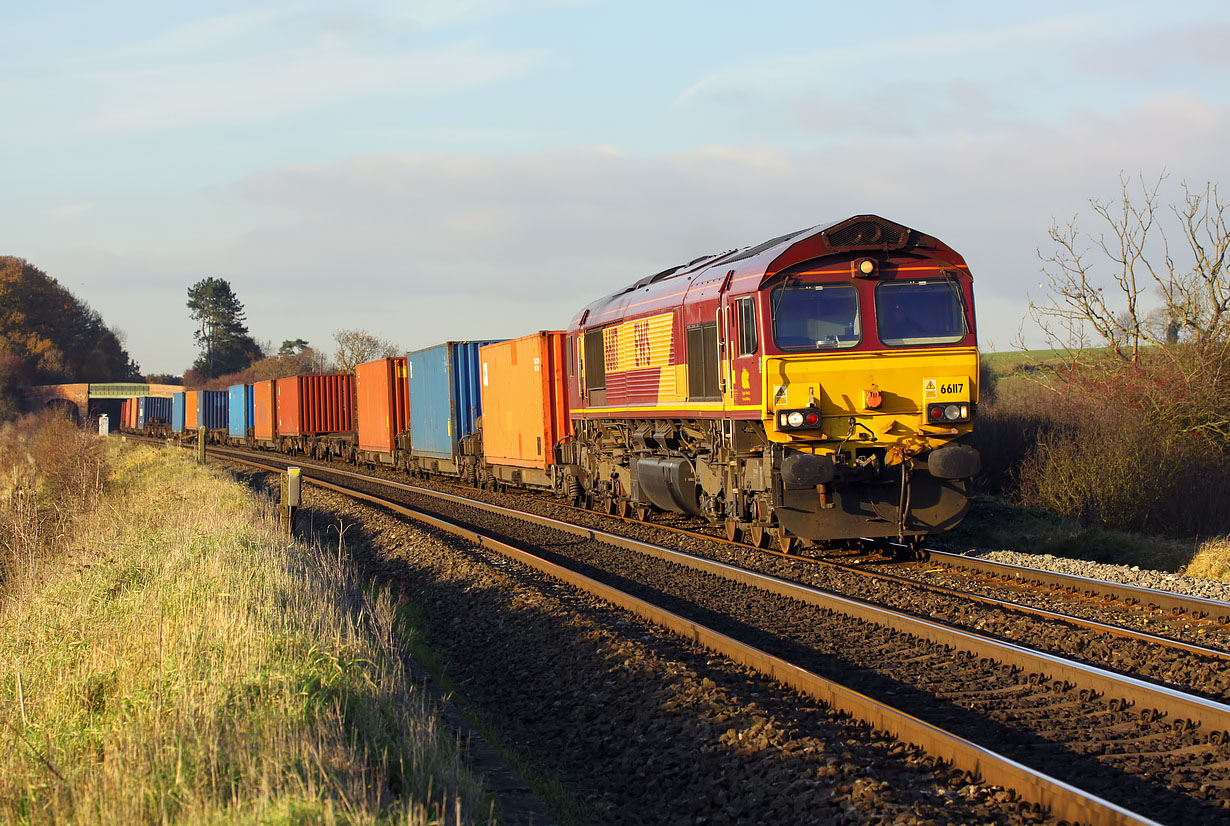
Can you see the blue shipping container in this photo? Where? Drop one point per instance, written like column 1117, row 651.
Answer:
column 177, row 412
column 151, row 409
column 241, row 413
column 444, row 386
column 213, row 409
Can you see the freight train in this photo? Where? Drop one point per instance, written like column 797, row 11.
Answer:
column 818, row 387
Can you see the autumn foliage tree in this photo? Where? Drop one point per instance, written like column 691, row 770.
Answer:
column 49, row 335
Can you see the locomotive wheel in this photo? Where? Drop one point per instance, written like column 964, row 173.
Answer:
column 733, row 531
column 785, row 542
column 759, row 535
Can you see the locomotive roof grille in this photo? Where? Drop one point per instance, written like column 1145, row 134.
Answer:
column 759, row 248
column 867, row 235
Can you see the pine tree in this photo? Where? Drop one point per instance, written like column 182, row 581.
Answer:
column 226, row 346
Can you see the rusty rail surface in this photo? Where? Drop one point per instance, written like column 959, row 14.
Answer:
column 1168, row 600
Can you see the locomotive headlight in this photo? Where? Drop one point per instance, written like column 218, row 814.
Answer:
column 795, row 419
column 863, row 268
column 952, row 412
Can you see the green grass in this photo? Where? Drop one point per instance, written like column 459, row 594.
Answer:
column 181, row 662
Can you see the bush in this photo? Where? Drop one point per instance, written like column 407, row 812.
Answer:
column 1140, row 447
column 50, row 472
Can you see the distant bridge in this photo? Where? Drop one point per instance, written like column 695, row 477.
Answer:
column 75, row 398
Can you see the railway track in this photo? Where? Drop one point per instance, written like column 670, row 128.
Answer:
column 1101, row 726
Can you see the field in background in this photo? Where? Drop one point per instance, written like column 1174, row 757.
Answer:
column 173, row 659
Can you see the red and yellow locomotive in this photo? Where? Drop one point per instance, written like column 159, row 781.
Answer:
column 815, row 387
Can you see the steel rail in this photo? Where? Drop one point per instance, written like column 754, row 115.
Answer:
column 1042, row 613
column 1062, row 799
column 1179, row 603
column 1177, row 705
column 1198, row 607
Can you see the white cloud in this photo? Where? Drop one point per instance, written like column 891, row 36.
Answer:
column 422, row 248
column 257, row 88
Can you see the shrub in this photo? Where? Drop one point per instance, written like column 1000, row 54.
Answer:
column 50, row 472
column 1141, row 447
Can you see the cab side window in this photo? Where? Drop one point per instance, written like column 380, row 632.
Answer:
column 745, row 315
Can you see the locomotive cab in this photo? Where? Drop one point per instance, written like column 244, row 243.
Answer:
column 872, row 371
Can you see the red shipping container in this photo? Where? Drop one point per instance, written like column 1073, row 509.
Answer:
column 312, row 405
column 263, row 407
column 525, row 410
column 380, row 386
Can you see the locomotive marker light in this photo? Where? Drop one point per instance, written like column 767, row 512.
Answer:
column 948, row 413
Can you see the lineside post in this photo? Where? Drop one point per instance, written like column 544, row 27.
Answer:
column 291, row 486
column 200, row 445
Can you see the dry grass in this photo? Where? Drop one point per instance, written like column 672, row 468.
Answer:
column 1212, row 561
column 51, row 472
column 185, row 664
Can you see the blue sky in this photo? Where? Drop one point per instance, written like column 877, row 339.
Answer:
column 481, row 168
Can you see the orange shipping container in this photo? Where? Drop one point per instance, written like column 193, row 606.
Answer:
column 382, row 395
column 263, row 406
column 524, row 407
column 190, row 400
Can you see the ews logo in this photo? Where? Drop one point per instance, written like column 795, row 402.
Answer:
column 642, row 355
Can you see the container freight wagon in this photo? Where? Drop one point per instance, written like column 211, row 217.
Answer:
column 525, row 412
column 315, row 414
column 239, row 412
column 382, row 415
column 128, row 414
column 214, row 413
column 178, row 412
column 190, row 410
column 154, row 414
column 264, row 407
column 445, row 403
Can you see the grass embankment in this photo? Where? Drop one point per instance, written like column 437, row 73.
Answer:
column 181, row 662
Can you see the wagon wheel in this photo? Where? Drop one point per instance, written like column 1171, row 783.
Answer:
column 625, row 508
column 785, row 542
column 759, row 535
column 643, row 513
column 612, row 506
column 733, row 531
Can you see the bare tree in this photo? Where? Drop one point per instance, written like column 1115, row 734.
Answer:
column 1186, row 278
column 357, row 346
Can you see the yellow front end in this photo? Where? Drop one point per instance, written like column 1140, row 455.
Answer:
column 871, row 399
